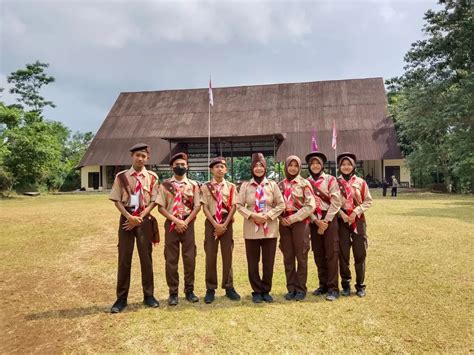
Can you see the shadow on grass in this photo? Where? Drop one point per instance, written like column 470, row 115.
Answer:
column 463, row 214
column 79, row 312
column 219, row 303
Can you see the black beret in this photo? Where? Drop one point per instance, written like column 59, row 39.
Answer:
column 177, row 156
column 217, row 160
column 320, row 155
column 140, row 146
column 346, row 155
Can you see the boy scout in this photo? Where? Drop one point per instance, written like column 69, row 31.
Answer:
column 324, row 226
column 294, row 230
column 133, row 192
column 179, row 201
column 218, row 201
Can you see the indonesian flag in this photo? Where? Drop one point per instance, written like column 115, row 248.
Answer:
column 334, row 136
column 314, row 142
column 211, row 98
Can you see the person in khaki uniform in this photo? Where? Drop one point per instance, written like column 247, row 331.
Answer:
column 133, row 192
column 294, row 228
column 260, row 203
column 356, row 200
column 218, row 198
column 324, row 226
column 178, row 199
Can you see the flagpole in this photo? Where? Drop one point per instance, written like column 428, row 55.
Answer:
column 209, row 145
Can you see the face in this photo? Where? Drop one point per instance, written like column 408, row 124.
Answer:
column 139, row 158
column 315, row 166
column 293, row 168
column 258, row 170
column 181, row 163
column 346, row 167
column 219, row 170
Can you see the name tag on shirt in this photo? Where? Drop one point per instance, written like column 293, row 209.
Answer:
column 134, row 200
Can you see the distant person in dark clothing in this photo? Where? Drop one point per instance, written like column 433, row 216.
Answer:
column 385, row 185
column 394, row 186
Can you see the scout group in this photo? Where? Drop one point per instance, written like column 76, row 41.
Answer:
column 323, row 213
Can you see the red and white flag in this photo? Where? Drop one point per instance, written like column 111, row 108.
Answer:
column 334, row 136
column 211, row 98
column 314, row 142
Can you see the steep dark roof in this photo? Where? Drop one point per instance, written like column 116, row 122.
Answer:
column 358, row 106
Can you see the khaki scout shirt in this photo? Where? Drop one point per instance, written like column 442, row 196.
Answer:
column 301, row 194
column 330, row 187
column 365, row 201
column 190, row 190
column 211, row 203
column 245, row 206
column 148, row 179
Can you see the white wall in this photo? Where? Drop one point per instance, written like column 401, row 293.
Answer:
column 85, row 170
column 404, row 171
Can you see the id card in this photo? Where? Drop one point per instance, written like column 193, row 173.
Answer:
column 134, row 200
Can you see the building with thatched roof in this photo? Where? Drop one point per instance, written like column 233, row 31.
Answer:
column 275, row 119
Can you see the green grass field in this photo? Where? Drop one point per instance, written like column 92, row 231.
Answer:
column 58, row 261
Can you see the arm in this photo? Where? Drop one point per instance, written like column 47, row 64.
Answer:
column 241, row 204
column 197, row 205
column 367, row 198
column 336, row 202
column 309, row 204
column 278, row 202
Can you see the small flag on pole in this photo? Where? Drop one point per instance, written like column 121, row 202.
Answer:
column 334, row 136
column 211, row 98
column 314, row 142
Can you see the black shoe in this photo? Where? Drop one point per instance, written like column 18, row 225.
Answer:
column 151, row 301
column 232, row 294
column 290, row 296
column 173, row 299
column 320, row 291
column 346, row 290
column 119, row 305
column 257, row 297
column 191, row 297
column 209, row 298
column 267, row 298
column 332, row 296
column 360, row 293
column 300, row 296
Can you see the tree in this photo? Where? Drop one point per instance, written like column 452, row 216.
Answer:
column 431, row 103
column 74, row 150
column 35, row 154
column 27, row 84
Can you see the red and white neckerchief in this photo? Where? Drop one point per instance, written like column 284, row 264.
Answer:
column 260, row 206
column 178, row 207
column 349, row 200
column 219, row 188
column 317, row 184
column 139, row 191
column 287, row 195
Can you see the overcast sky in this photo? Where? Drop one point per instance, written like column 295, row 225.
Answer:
column 97, row 49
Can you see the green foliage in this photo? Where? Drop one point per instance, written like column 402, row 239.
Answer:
column 432, row 102
column 27, row 83
column 6, row 180
column 37, row 154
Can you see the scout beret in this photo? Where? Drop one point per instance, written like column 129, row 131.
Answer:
column 351, row 156
column 217, row 160
column 319, row 155
column 140, row 146
column 177, row 156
